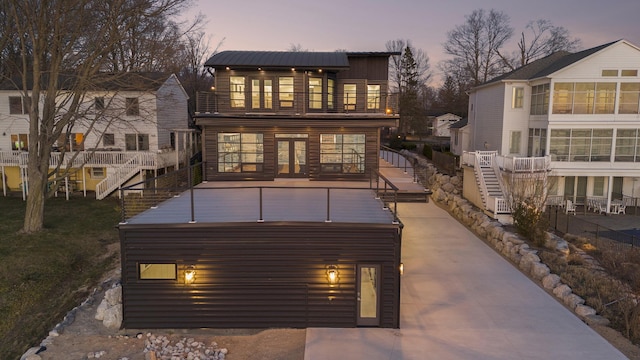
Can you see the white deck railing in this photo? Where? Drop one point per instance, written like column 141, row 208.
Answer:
column 123, row 173
column 508, row 163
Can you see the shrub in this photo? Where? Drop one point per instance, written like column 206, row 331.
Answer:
column 427, row 151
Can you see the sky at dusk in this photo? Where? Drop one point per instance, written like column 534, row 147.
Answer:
column 366, row 25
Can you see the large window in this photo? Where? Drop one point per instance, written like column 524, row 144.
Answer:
column 373, row 97
column 584, row 98
column 240, row 152
column 581, row 144
column 20, row 142
column 315, row 93
column 285, row 91
column 342, row 153
column 540, row 99
column 157, row 271
column 629, row 98
column 108, row 139
column 236, row 91
column 136, row 142
column 517, row 98
column 628, row 145
column 350, row 97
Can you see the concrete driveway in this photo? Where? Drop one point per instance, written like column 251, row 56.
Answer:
column 461, row 300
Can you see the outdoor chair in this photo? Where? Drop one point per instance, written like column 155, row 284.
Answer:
column 602, row 208
column 621, row 208
column 571, row 208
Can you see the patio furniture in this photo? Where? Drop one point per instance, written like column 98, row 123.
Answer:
column 570, row 208
column 602, row 208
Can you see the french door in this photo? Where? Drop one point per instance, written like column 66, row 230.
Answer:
column 292, row 157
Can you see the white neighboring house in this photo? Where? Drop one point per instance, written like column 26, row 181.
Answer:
column 441, row 124
column 459, row 136
column 576, row 115
column 127, row 129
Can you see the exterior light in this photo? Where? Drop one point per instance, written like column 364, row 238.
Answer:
column 293, row 69
column 401, row 268
column 259, row 69
column 332, row 274
column 228, row 68
column 190, row 274
column 319, row 70
column 388, row 110
column 213, row 88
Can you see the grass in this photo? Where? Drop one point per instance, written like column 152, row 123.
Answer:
column 44, row 275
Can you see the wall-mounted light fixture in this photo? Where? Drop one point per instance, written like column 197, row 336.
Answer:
column 401, row 268
column 332, row 274
column 190, row 274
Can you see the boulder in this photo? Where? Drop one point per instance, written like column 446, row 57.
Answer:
column 550, row 281
column 561, row 291
column 573, row 300
column 113, row 317
column 100, row 310
column 539, row 270
column 583, row 310
column 113, row 295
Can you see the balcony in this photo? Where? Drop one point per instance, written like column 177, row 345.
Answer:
column 510, row 163
column 208, row 102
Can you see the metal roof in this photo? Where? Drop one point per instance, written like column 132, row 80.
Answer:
column 279, row 59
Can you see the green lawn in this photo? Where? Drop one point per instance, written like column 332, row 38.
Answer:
column 44, row 275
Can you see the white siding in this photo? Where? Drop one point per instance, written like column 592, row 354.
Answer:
column 487, row 117
column 172, row 110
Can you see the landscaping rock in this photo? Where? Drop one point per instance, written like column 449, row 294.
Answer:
column 583, row 310
column 550, row 281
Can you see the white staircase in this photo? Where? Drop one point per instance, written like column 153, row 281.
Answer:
column 490, row 183
column 123, row 173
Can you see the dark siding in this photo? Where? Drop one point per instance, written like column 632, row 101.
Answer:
column 256, row 275
column 210, row 143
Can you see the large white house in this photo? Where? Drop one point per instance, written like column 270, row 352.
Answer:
column 126, row 129
column 576, row 115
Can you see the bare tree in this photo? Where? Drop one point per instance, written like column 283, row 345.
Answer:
column 63, row 46
column 297, row 48
column 526, row 196
column 475, row 45
column 539, row 39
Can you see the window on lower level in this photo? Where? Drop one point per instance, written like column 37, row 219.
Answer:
column 20, row 142
column 514, row 142
column 240, row 152
column 342, row 153
column 581, row 144
column 157, row 271
column 97, row 173
column 598, row 186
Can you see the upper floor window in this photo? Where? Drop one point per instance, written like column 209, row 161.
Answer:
column 261, row 94
column 285, row 91
column 20, row 142
column 315, row 93
column 540, row 99
column 98, row 103
column 629, row 72
column 18, row 105
column 629, row 98
column 584, row 98
column 136, row 142
column 349, row 96
column 609, row 72
column 236, row 91
column 109, row 139
column 517, row 98
column 331, row 86
column 132, row 106
column 373, row 97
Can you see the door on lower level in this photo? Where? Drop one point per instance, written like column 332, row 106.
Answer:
column 292, row 158
column 368, row 278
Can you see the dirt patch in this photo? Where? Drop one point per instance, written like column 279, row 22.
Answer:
column 87, row 336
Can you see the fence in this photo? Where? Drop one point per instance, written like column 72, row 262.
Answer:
column 147, row 194
column 567, row 223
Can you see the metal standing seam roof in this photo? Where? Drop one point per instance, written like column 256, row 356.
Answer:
column 279, row 59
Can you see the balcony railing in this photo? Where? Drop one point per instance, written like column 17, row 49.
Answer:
column 208, row 102
column 83, row 158
column 509, row 163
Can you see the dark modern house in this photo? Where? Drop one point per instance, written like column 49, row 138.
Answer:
column 233, row 253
